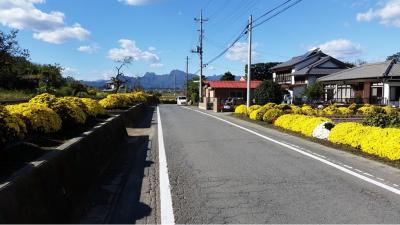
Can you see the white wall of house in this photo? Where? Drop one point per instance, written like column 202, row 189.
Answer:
column 274, row 77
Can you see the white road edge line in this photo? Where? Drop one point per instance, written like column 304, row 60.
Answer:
column 341, row 168
column 167, row 211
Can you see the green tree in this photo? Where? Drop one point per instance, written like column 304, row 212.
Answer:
column 261, row 71
column 228, row 76
column 268, row 91
column 395, row 56
column 314, row 91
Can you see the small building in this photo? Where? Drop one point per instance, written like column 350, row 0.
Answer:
column 300, row 71
column 216, row 93
column 375, row 83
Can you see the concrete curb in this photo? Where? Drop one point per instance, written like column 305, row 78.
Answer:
column 47, row 190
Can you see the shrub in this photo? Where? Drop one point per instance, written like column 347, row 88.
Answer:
column 269, row 105
column 382, row 142
column 37, row 117
column 353, row 107
column 78, row 102
column 330, row 110
column 272, row 114
column 71, row 114
column 307, row 110
column 241, row 109
column 345, row 111
column 382, row 120
column 93, row 108
column 45, row 98
column 300, row 123
column 12, row 128
column 368, row 109
column 283, row 107
column 268, row 91
column 252, row 108
column 295, row 109
column 348, row 134
column 115, row 101
column 389, row 110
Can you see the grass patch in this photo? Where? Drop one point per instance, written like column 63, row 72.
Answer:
column 345, row 148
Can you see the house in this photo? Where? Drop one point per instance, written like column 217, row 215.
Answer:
column 375, row 83
column 215, row 93
column 300, row 71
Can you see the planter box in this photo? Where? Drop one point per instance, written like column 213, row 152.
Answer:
column 49, row 188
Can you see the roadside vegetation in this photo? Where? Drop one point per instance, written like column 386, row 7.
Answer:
column 377, row 135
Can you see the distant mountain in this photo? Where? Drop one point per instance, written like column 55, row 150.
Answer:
column 154, row 81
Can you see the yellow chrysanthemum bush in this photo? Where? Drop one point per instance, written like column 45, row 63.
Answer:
column 93, row 107
column 368, row 109
column 272, row 114
column 330, row 110
column 12, row 128
column 283, row 107
column 115, row 101
column 300, row 123
column 45, row 98
column 259, row 113
column 241, row 109
column 140, row 96
column 295, row 109
column 348, row 134
column 308, row 110
column 252, row 108
column 346, row 111
column 71, row 114
column 388, row 110
column 37, row 117
column 382, row 142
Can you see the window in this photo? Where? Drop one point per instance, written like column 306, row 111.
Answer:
column 283, row 78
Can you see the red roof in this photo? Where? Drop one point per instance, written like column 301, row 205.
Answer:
column 232, row 84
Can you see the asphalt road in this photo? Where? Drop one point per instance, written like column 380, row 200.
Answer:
column 220, row 173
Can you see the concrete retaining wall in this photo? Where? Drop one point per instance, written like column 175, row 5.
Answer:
column 48, row 189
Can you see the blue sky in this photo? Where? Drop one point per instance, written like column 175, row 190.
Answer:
column 85, row 37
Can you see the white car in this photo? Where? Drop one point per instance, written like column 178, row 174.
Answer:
column 181, row 100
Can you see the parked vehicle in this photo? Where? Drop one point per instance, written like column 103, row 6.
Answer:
column 181, row 100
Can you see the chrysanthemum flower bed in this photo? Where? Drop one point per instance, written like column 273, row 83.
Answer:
column 378, row 141
column 50, row 117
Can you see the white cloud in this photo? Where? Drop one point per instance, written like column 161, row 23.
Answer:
column 156, row 65
column 239, row 52
column 388, row 13
column 152, row 49
column 63, row 34
column 90, row 49
column 49, row 27
column 137, row 2
column 341, row 48
column 128, row 48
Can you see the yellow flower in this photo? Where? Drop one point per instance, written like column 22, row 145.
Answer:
column 38, row 117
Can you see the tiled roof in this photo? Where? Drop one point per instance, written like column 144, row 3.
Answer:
column 232, row 84
column 298, row 59
column 373, row 70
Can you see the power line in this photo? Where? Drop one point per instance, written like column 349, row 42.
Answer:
column 268, row 12
column 245, row 30
column 276, row 14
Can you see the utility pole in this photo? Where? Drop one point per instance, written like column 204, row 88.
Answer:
column 249, row 31
column 175, row 84
column 187, row 78
column 199, row 50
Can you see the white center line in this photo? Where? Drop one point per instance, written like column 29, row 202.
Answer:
column 327, row 162
column 167, row 211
